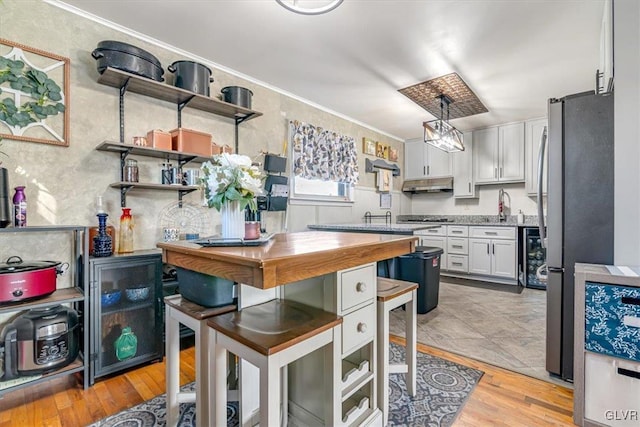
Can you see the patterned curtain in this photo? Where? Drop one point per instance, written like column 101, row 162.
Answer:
column 323, row 154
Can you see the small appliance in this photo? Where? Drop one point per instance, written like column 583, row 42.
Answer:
column 21, row 280
column 40, row 341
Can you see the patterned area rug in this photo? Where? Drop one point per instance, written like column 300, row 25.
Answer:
column 442, row 389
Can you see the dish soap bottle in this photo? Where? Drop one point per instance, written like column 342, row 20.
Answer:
column 520, row 217
column 126, row 232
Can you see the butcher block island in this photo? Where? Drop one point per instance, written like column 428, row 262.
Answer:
column 333, row 271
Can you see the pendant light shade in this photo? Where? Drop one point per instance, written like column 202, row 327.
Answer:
column 440, row 133
column 305, row 7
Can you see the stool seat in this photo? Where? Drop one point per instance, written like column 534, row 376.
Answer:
column 389, row 289
column 270, row 336
column 275, row 325
column 393, row 293
column 179, row 310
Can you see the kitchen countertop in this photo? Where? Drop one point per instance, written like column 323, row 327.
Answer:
column 405, row 228
column 488, row 220
column 287, row 257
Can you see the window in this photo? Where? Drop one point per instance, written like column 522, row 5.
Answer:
column 324, row 166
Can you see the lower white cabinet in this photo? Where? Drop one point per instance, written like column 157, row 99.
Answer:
column 493, row 251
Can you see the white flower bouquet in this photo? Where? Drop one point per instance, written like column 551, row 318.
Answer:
column 230, row 177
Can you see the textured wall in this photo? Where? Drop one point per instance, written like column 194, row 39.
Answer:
column 62, row 183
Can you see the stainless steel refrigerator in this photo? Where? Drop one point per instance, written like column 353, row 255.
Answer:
column 579, row 209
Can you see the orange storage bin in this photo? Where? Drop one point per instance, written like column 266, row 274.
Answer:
column 215, row 149
column 159, row 139
column 191, row 141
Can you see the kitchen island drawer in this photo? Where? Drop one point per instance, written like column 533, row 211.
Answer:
column 357, row 286
column 458, row 263
column 458, row 246
column 493, row 232
column 612, row 320
column 358, row 328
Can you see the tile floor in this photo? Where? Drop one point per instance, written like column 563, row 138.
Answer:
column 498, row 324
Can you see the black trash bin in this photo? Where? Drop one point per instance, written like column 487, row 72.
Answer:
column 422, row 267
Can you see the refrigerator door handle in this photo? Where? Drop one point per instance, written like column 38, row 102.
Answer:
column 543, row 143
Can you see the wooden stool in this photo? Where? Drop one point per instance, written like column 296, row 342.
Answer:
column 179, row 310
column 270, row 336
column 392, row 294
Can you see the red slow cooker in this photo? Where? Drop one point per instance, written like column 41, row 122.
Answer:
column 22, row 280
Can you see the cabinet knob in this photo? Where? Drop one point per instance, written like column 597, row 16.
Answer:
column 361, row 287
column 362, row 327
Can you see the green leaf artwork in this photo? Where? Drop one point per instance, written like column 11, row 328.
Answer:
column 45, row 94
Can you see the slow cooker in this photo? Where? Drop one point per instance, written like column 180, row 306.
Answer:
column 21, row 280
column 40, row 341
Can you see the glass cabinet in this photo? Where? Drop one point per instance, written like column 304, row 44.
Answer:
column 127, row 327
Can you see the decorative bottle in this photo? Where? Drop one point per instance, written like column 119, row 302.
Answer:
column 93, row 231
column 126, row 345
column 102, row 242
column 19, row 208
column 126, row 232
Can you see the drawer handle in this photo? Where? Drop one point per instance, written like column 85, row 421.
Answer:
column 361, row 287
column 456, row 246
column 362, row 327
column 629, row 373
column 456, row 263
column 630, row 300
column 632, row 321
column 433, row 230
column 456, row 231
column 491, row 233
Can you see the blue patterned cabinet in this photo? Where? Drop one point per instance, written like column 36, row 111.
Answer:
column 607, row 346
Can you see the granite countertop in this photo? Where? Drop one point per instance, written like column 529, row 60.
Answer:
column 488, row 220
column 406, row 228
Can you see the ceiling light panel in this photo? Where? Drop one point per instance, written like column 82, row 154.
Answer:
column 463, row 101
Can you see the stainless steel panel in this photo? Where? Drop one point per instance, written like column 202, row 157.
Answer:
column 556, row 184
column 554, row 322
column 541, row 224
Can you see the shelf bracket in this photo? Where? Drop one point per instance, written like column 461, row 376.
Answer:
column 123, row 195
column 123, row 90
column 181, row 193
column 180, row 107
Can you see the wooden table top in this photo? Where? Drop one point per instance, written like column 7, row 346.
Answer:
column 287, row 257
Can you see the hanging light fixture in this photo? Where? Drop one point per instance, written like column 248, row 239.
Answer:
column 294, row 6
column 440, row 133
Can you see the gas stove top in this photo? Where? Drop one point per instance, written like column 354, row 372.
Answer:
column 429, row 220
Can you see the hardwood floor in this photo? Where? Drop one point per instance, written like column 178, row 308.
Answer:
column 502, row 398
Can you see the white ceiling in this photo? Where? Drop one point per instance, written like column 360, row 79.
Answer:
column 514, row 54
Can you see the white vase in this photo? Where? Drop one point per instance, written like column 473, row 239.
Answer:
column 232, row 220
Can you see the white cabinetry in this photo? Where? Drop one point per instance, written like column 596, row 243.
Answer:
column 463, row 185
column 533, row 136
column 499, row 154
column 435, row 237
column 458, row 248
column 492, row 251
column 425, row 161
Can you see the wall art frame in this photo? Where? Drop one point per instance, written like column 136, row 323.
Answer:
column 382, row 150
column 368, row 146
column 52, row 129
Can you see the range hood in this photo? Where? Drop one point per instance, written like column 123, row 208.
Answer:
column 428, row 185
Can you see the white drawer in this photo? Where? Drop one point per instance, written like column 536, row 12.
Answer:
column 611, row 390
column 493, row 232
column 357, row 286
column 438, row 230
column 358, row 328
column 458, row 246
column 457, row 230
column 459, row 263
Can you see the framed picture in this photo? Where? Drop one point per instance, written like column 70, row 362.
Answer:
column 36, row 88
column 368, row 146
column 393, row 154
column 382, row 150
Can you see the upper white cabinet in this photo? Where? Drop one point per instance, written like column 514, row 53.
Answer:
column 533, row 137
column 422, row 160
column 463, row 185
column 499, row 154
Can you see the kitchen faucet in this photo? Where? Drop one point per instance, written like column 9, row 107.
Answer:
column 501, row 214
